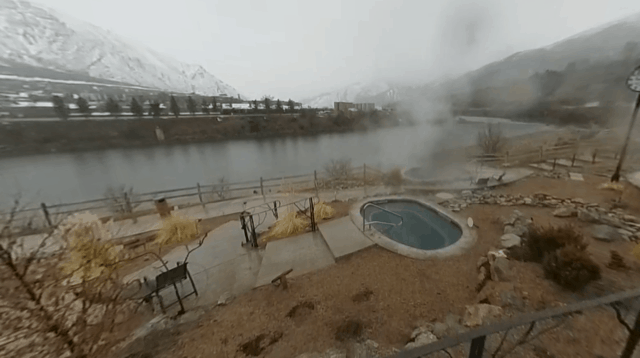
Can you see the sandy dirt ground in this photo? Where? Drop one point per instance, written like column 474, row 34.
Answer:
column 390, row 294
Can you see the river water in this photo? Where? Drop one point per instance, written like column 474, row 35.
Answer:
column 70, row 177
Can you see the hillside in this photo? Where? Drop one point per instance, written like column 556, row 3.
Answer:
column 37, row 37
column 587, row 68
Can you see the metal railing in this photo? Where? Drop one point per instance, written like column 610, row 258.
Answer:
column 364, row 216
column 249, row 224
column 478, row 336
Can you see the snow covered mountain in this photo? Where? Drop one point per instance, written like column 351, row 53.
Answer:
column 356, row 92
column 37, row 36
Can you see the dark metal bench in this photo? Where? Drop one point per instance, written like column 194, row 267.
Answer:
column 170, row 278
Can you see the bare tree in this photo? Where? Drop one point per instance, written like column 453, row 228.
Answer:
column 490, row 139
column 220, row 188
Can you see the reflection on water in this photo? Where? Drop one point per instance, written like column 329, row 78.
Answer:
column 59, row 177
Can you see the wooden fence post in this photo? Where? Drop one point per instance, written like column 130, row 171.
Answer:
column 593, row 156
column 315, row 183
column 46, row 213
column 573, row 160
column 364, row 178
column 554, row 164
column 262, row 190
column 200, row 195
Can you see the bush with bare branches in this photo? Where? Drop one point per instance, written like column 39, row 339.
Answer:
column 46, row 314
column 393, row 178
column 490, row 139
column 121, row 200
column 220, row 188
column 338, row 169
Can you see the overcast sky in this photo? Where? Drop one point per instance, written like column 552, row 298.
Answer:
column 299, row 48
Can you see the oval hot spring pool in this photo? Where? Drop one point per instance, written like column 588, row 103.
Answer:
column 411, row 223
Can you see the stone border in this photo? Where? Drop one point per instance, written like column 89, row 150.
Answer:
column 466, row 241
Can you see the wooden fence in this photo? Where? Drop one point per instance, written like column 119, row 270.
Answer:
column 591, row 150
column 142, row 203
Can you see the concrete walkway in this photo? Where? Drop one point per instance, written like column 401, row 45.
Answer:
column 303, row 253
column 343, row 237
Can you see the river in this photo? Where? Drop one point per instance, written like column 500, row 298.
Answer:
column 70, row 177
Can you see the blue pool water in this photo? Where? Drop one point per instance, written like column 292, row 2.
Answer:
column 421, row 228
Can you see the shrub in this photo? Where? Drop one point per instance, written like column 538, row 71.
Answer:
column 393, row 177
column 571, row 268
column 490, row 139
column 338, row 169
column 543, row 240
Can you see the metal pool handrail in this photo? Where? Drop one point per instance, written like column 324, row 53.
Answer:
column 364, row 212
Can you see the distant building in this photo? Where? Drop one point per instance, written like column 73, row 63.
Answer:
column 365, row 107
column 342, row 106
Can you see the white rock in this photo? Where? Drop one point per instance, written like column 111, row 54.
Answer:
column 421, row 340
column 510, row 240
column 478, row 314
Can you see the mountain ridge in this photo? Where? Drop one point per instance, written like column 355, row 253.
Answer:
column 39, row 36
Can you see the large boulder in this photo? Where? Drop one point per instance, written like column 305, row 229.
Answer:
column 500, row 269
column 605, row 233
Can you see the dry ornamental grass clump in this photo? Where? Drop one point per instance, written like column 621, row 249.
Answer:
column 177, row 230
column 290, row 224
column 323, row 211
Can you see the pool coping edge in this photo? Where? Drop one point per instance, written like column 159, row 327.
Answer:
column 466, row 241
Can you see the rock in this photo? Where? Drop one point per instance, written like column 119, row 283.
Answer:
column 528, row 201
column 483, row 274
column 423, row 328
column 605, row 233
column 500, row 270
column 310, row 355
column 519, row 230
column 445, row 196
column 440, row 329
column 371, row 344
column 631, row 218
column 510, row 240
column 624, row 232
column 611, row 221
column 565, row 212
column 588, row 217
column 225, row 298
column 479, row 314
column 501, row 294
column 578, row 200
column 335, row 353
column 467, row 193
column 421, row 340
column 481, row 261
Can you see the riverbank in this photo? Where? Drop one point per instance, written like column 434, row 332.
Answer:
column 38, row 137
